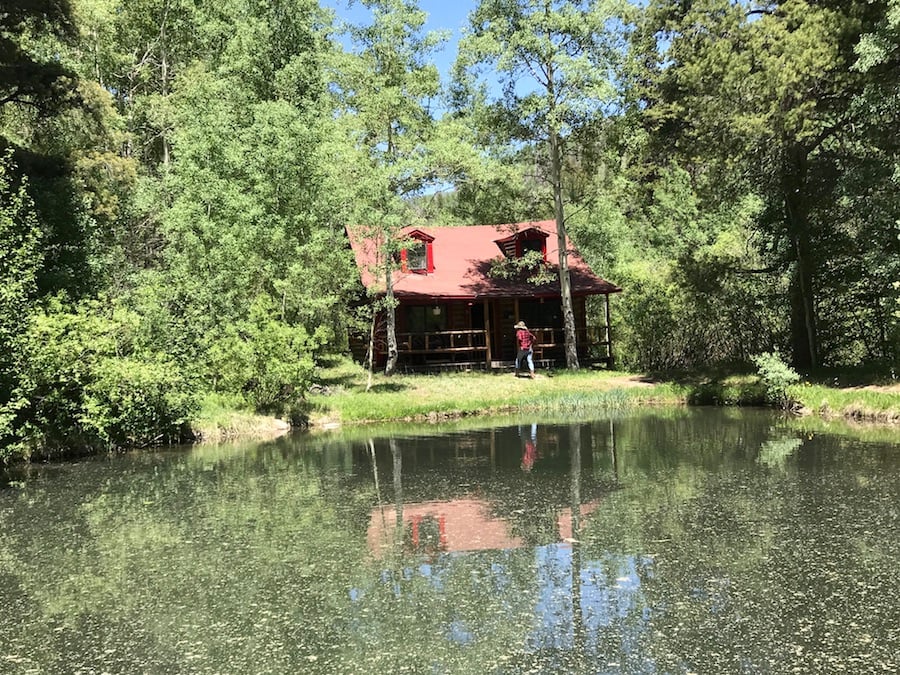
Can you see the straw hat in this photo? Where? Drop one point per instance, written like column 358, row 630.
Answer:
column 521, row 324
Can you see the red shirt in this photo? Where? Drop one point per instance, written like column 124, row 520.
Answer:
column 529, row 456
column 524, row 338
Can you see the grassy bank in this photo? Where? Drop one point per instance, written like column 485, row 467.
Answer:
column 344, row 397
column 224, row 418
column 879, row 403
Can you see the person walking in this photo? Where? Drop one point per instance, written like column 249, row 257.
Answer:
column 525, row 340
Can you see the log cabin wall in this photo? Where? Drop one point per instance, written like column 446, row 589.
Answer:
column 458, row 316
column 503, row 338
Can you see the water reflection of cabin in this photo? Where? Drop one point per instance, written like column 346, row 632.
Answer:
column 454, row 312
column 460, row 525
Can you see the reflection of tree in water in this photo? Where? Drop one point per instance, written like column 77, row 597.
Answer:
column 776, row 452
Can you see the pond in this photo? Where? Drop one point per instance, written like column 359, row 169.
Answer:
column 660, row 541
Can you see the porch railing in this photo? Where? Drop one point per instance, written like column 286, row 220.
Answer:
column 442, row 342
column 474, row 342
column 549, row 339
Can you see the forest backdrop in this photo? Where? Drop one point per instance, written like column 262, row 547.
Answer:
column 175, row 177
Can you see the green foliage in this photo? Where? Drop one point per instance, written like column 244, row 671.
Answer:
column 270, row 362
column 32, row 74
column 20, row 259
column 81, row 384
column 388, row 143
column 746, row 103
column 776, row 376
column 251, row 277
column 696, row 311
column 133, row 403
column 877, row 47
column 554, row 62
column 529, row 266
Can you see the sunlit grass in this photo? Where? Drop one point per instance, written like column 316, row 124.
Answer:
column 346, row 393
column 851, row 402
column 462, row 394
column 224, row 417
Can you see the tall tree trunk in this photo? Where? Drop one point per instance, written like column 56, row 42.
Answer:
column 803, row 320
column 802, row 297
column 391, row 320
column 370, row 357
column 565, row 284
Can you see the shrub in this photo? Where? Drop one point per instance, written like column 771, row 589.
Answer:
column 776, row 376
column 80, row 385
column 271, row 363
column 132, row 403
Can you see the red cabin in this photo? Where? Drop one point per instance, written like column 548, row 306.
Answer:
column 456, row 306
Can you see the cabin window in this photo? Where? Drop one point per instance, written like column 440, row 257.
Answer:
column 535, row 244
column 521, row 243
column 421, row 319
column 418, row 257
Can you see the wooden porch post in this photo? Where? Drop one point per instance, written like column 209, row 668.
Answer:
column 487, row 334
column 609, row 349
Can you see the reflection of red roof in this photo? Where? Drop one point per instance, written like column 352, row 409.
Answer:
column 465, row 524
column 462, row 258
column 564, row 522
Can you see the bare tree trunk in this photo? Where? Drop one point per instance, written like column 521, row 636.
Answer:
column 164, row 81
column 803, row 321
column 565, row 284
column 370, row 357
column 802, row 295
column 391, row 366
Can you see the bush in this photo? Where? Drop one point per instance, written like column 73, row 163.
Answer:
column 776, row 376
column 80, row 385
column 268, row 361
column 131, row 403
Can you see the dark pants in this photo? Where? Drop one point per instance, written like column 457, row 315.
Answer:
column 523, row 356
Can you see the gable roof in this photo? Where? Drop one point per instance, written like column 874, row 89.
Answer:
column 463, row 257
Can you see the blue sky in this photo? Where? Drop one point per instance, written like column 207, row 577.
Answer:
column 449, row 15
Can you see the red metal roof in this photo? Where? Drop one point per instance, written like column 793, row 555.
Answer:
column 463, row 257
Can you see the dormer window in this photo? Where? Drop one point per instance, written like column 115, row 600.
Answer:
column 418, row 257
column 520, row 243
column 538, row 244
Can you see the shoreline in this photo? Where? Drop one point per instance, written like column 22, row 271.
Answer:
column 432, row 400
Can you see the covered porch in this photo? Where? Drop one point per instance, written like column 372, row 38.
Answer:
column 479, row 334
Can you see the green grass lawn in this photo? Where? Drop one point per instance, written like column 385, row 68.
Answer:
column 876, row 402
column 224, row 417
column 345, row 395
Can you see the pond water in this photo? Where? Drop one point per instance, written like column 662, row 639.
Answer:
column 665, row 541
